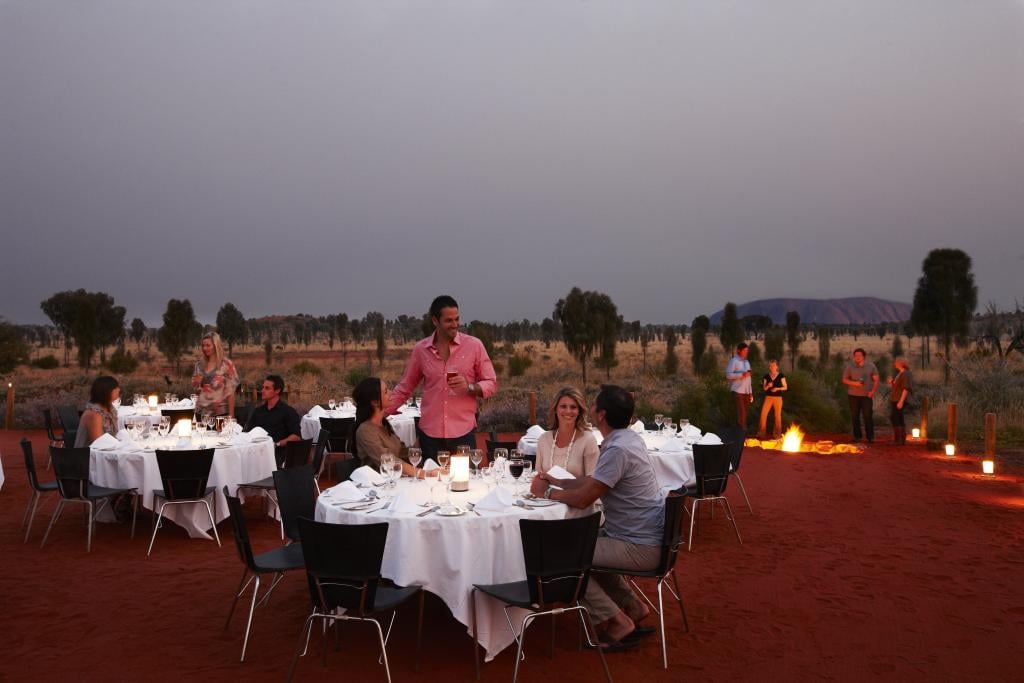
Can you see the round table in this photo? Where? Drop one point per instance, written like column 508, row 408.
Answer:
column 447, row 555
column 135, row 467
column 404, row 423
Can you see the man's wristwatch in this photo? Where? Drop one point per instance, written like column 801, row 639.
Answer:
column 471, row 389
column 547, row 491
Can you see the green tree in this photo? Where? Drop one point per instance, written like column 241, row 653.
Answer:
column 897, row 345
column 732, row 329
column 138, row 331
column 586, row 318
column 945, row 299
column 774, row 342
column 547, row 332
column 671, row 360
column 179, row 332
column 13, row 350
column 824, row 345
column 231, row 326
column 90, row 318
column 341, row 325
column 699, row 340
column 793, row 336
column 379, row 334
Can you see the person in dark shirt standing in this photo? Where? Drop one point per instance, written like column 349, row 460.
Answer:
column 774, row 385
column 276, row 417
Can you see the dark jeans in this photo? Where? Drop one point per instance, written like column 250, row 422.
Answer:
column 896, row 415
column 431, row 445
column 862, row 405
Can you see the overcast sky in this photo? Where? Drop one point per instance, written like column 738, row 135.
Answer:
column 345, row 156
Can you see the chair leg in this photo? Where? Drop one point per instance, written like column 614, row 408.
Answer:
column 693, row 520
column 135, row 511
column 519, row 649
column 679, row 598
column 30, row 514
column 304, row 633
column 661, row 627
column 419, row 632
column 248, row 624
column 53, row 520
column 743, row 490
column 552, row 635
column 31, row 502
column 156, row 527
column 92, row 525
column 476, row 641
column 590, row 622
column 213, row 522
column 242, row 585
column 278, row 578
column 732, row 518
column 383, row 649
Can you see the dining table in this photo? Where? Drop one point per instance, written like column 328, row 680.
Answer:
column 403, row 422
column 447, row 553
column 237, row 460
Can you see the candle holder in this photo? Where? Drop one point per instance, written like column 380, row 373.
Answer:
column 915, row 433
column 988, row 467
column 950, row 450
column 184, row 428
column 460, row 472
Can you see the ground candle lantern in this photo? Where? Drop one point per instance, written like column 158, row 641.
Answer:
column 184, row 428
column 915, row 433
column 460, row 472
column 950, row 449
column 988, row 467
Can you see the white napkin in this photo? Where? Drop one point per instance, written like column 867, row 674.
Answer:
column 534, row 432
column 498, row 500
column 345, row 492
column 367, row 476
column 402, row 502
column 130, row 445
column 430, row 465
column 106, row 441
column 242, row 438
column 257, row 432
column 559, row 472
column 316, row 412
column 709, row 438
column 673, row 446
column 690, row 432
column 637, row 426
column 122, row 435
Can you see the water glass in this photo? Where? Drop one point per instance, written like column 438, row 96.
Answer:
column 443, row 458
column 415, row 456
column 331, row 404
column 476, row 456
column 658, row 420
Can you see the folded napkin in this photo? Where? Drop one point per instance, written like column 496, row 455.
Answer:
column 690, row 432
column 402, row 502
column 316, row 412
column 430, row 465
column 345, row 492
column 709, row 438
column 130, row 445
column 106, row 441
column 242, row 438
column 367, row 476
column 498, row 500
column 673, row 446
column 122, row 435
column 559, row 472
column 257, row 432
column 637, row 426
column 534, row 432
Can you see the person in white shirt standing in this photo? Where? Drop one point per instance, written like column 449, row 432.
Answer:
column 738, row 374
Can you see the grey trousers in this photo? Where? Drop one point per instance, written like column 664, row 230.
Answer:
column 608, row 593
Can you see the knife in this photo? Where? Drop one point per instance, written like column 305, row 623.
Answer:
column 428, row 511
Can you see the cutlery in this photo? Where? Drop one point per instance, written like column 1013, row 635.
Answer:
column 472, row 508
column 385, row 506
column 428, row 511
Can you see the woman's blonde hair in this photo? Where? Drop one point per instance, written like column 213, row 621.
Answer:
column 218, row 347
column 582, row 423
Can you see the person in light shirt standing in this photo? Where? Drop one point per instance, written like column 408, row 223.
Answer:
column 861, row 380
column 738, row 373
column 455, row 370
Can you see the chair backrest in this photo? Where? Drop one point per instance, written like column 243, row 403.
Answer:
column 176, row 414
column 558, row 554
column 295, row 497
column 343, row 563
column 242, row 542
column 673, row 534
column 297, row 453
column 340, row 430
column 71, row 467
column 711, row 467
column 48, row 423
column 343, row 469
column 735, row 437
column 69, row 418
column 243, row 413
column 508, row 445
column 184, row 473
column 320, row 451
column 30, row 464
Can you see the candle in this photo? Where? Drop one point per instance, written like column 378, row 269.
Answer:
column 152, row 401
column 988, row 467
column 184, row 428
column 460, row 472
column 950, row 449
column 916, row 433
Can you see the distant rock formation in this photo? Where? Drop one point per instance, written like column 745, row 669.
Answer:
column 863, row 310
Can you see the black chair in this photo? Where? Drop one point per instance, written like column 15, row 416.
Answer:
column 276, row 562
column 558, row 556
column 71, row 466
column 51, row 434
column 343, row 567
column 341, row 437
column 319, row 451
column 295, row 498
column 672, row 539
column 294, row 454
column 711, row 466
column 736, row 438
column 184, row 475
column 38, row 488
column 174, row 415
column 69, row 417
column 243, row 413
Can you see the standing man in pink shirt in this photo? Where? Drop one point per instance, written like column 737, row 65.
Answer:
column 455, row 371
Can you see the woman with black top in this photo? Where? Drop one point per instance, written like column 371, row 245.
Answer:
column 901, row 387
column 774, row 385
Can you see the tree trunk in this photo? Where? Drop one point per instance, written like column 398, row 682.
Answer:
column 945, row 366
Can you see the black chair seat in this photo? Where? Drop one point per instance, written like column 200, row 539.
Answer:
column 689, row 490
column 516, row 593
column 388, row 598
column 159, row 493
column 47, row 486
column 267, row 483
column 283, row 559
column 94, row 492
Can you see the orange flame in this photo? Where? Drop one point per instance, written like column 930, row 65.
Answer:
column 792, row 439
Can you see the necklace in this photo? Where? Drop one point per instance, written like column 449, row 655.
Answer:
column 568, row 449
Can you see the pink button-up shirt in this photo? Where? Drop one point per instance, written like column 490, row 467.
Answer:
column 444, row 416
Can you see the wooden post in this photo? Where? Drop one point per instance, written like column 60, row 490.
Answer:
column 924, row 418
column 533, row 407
column 990, row 435
column 951, row 423
column 9, row 414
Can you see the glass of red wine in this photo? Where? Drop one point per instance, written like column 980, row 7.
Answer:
column 515, row 468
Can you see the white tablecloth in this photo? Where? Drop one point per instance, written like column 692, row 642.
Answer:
column 674, row 469
column 403, row 423
column 138, row 469
column 447, row 555
column 1, row 471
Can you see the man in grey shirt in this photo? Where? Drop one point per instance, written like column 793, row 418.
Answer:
column 634, row 512
column 861, row 380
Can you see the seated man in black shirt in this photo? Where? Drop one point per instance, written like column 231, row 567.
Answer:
column 276, row 417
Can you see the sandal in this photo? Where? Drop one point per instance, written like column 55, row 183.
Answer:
column 609, row 645
column 637, row 633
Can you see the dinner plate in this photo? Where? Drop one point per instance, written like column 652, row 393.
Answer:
column 356, row 505
column 451, row 512
column 541, row 502
column 108, row 448
column 260, row 439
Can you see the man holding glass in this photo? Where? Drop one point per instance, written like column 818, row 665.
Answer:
column 634, row 513
column 455, row 371
column 276, row 417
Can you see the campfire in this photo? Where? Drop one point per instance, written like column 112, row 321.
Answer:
column 793, row 442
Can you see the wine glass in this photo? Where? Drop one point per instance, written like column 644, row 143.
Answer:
column 415, row 456
column 669, row 427
column 658, row 420
column 476, row 456
column 201, row 430
column 386, row 458
column 330, row 405
column 139, row 428
column 445, row 476
column 211, row 421
column 129, row 423
column 515, row 468
column 165, row 426
column 396, row 468
column 500, row 453
column 443, row 458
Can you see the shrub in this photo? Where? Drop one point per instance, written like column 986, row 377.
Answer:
column 358, row 374
column 707, row 404
column 518, row 364
column 48, row 362
column 122, row 363
column 306, row 368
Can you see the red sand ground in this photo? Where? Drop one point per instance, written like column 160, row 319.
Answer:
column 897, row 564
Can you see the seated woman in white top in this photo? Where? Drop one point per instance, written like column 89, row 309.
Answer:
column 570, row 443
column 374, row 435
